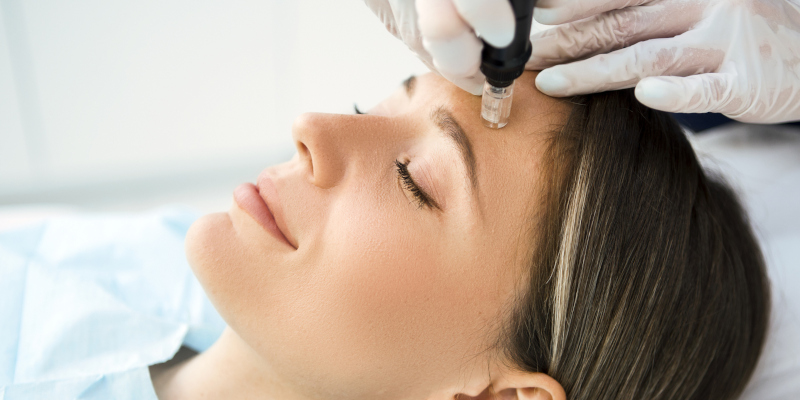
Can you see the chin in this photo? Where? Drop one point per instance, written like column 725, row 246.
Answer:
column 208, row 242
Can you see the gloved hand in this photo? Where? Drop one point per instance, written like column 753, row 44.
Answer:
column 739, row 58
column 445, row 39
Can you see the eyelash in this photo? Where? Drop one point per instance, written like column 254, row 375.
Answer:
column 357, row 110
column 422, row 199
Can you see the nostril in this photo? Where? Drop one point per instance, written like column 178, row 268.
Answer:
column 305, row 155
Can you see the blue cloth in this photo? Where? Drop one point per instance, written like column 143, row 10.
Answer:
column 88, row 302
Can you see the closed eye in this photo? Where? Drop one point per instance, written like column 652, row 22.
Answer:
column 421, row 198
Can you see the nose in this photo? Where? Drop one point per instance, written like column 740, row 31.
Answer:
column 333, row 145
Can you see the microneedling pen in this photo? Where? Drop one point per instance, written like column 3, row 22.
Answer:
column 502, row 66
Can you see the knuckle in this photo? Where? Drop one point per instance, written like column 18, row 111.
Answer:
column 619, row 26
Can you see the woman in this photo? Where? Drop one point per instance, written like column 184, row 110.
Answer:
column 580, row 252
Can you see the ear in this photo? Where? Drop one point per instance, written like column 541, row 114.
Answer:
column 529, row 386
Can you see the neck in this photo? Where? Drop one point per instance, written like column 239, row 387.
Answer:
column 230, row 369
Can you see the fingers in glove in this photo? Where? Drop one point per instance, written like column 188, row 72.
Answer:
column 401, row 22
column 492, row 19
column 439, row 19
column 459, row 56
column 692, row 94
column 471, row 83
column 624, row 68
column 383, row 10
column 453, row 49
column 609, row 31
column 554, row 12
column 719, row 93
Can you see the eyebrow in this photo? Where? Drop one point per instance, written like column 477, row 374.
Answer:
column 442, row 117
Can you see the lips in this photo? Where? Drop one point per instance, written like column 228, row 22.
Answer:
column 262, row 204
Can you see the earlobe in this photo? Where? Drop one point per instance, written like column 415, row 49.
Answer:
column 531, row 386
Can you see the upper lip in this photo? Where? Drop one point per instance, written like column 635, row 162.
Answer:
column 269, row 192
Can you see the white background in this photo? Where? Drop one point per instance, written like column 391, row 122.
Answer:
column 130, row 104
column 126, row 105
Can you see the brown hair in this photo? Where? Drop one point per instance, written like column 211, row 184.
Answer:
column 647, row 281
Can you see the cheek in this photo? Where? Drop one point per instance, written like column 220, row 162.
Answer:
column 390, row 296
column 386, row 296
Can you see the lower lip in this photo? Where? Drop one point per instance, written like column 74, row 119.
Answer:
column 249, row 199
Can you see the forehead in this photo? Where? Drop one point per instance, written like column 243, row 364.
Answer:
column 509, row 161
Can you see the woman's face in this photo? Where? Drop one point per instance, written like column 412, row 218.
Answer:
column 407, row 230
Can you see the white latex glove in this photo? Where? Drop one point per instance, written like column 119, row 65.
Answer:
column 739, row 58
column 446, row 39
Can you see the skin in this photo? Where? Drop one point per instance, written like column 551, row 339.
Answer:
column 381, row 298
